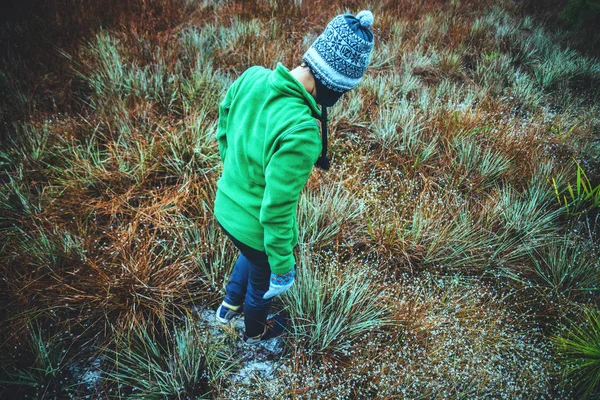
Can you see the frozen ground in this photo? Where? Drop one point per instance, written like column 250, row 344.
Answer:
column 254, row 363
column 260, row 362
column 88, row 372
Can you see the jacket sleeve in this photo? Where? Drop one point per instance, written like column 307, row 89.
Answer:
column 222, row 125
column 285, row 175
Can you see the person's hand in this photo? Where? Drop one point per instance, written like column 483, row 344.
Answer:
column 280, row 283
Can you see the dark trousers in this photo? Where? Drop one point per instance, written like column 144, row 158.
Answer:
column 249, row 280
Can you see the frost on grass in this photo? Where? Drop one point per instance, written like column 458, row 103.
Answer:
column 460, row 339
column 88, row 373
column 109, row 216
column 454, row 337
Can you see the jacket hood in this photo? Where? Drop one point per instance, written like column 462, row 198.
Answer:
column 282, row 80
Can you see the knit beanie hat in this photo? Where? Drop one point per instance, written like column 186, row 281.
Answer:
column 338, row 59
column 340, row 55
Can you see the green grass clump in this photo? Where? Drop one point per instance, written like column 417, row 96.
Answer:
column 489, row 165
column 539, row 52
column 214, row 257
column 47, row 375
column 569, row 266
column 184, row 364
column 323, row 213
column 580, row 196
column 333, row 307
column 579, row 345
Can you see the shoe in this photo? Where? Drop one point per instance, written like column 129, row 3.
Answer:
column 274, row 327
column 225, row 314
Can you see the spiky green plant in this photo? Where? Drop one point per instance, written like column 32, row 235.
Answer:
column 460, row 245
column 525, row 91
column 493, row 72
column 82, row 163
column 46, row 376
column 400, row 128
column 50, row 250
column 568, row 265
column 489, row 164
column 213, row 255
column 323, row 213
column 179, row 365
column 579, row 345
column 351, row 109
column 192, row 148
column 527, row 217
column 551, row 65
column 580, row 196
column 17, row 198
column 32, row 142
column 333, row 306
column 198, row 45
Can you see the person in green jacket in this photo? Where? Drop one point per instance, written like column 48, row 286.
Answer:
column 269, row 140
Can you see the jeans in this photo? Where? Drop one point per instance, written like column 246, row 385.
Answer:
column 250, row 280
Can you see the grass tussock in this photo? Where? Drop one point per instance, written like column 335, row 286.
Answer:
column 184, row 363
column 324, row 212
column 577, row 343
column 422, row 252
column 334, row 307
column 45, row 373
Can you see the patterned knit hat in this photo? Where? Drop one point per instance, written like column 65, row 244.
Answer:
column 340, row 55
column 338, row 59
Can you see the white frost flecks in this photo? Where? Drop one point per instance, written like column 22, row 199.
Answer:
column 88, row 374
column 259, row 362
column 255, row 370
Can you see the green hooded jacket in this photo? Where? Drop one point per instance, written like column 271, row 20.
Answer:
column 269, row 141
